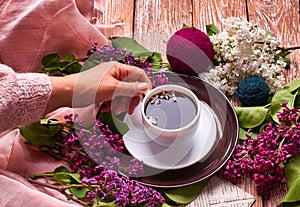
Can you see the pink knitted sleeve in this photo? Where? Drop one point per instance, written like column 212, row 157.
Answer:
column 23, row 97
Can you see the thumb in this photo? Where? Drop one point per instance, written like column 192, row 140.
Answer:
column 131, row 89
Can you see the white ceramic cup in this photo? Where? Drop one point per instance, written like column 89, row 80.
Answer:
column 183, row 135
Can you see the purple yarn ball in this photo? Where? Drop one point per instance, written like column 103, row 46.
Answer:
column 190, row 51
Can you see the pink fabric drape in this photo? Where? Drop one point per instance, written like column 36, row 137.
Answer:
column 29, row 30
column 32, row 28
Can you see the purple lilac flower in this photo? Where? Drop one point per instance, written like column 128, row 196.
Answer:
column 97, row 145
column 93, row 152
column 109, row 53
column 287, row 116
column 93, row 49
column 135, row 168
column 97, row 168
column 265, row 156
column 107, row 182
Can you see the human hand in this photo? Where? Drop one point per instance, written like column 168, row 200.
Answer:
column 116, row 84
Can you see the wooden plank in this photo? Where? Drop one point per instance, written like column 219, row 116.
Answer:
column 248, row 185
column 282, row 19
column 156, row 20
column 214, row 11
column 153, row 22
column 117, row 19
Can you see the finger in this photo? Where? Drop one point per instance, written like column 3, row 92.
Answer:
column 130, row 73
column 131, row 89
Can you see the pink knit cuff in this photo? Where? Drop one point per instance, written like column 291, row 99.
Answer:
column 23, row 98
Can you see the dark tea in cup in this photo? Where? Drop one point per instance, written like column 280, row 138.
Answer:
column 170, row 115
column 170, row 110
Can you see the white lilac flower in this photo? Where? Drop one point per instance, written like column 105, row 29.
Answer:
column 243, row 49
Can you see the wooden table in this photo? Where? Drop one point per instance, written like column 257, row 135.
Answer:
column 152, row 22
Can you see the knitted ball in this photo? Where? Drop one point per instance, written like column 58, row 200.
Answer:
column 253, row 91
column 189, row 51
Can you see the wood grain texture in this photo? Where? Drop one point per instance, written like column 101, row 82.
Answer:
column 117, row 19
column 248, row 185
column 157, row 20
column 281, row 17
column 152, row 22
column 214, row 11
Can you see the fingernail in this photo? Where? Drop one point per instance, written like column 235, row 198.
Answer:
column 142, row 87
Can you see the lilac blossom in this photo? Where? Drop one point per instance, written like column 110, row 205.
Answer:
column 265, row 156
column 93, row 153
column 109, row 53
column 107, row 183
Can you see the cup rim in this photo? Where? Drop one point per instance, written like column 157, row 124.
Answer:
column 160, row 89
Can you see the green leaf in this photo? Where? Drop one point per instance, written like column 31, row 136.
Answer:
column 165, row 205
column 79, row 192
column 251, row 117
column 294, row 204
column 75, row 176
column 63, row 64
column 49, row 121
column 129, row 44
column 297, row 101
column 242, row 133
column 38, row 134
column 144, row 54
column 68, row 58
column 269, row 33
column 187, row 194
column 114, row 123
column 153, row 57
column 211, row 29
column 51, row 69
column 287, row 60
column 50, row 60
column 89, row 64
column 155, row 60
column 105, row 204
column 73, row 68
column 293, row 86
column 253, row 134
column 137, row 50
column 288, row 94
column 61, row 169
column 292, row 170
column 268, row 120
column 292, row 173
column 279, row 97
column 293, row 194
column 186, row 26
column 62, row 177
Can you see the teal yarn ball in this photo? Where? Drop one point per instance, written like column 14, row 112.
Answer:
column 253, row 91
